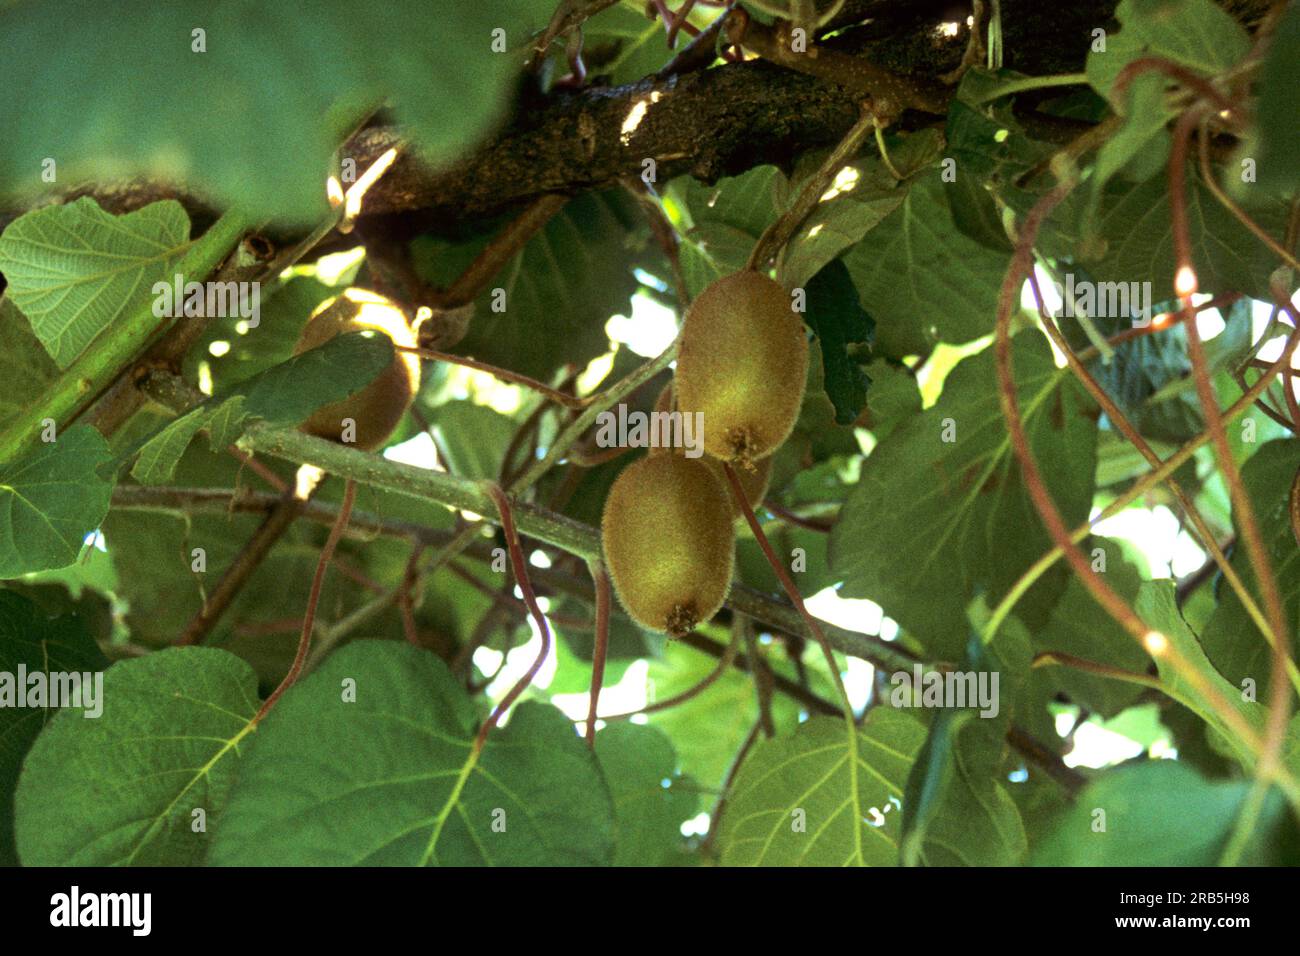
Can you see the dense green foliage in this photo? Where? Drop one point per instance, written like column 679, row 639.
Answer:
column 901, row 483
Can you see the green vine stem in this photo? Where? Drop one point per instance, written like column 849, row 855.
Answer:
column 467, row 495
column 564, row 533
column 96, row 368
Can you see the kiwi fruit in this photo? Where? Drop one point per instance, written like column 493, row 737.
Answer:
column 742, row 360
column 668, row 542
column 753, row 481
column 378, row 408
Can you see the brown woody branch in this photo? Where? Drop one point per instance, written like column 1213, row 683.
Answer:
column 705, row 123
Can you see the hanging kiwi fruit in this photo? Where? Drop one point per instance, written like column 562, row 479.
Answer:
column 377, row 409
column 754, row 481
column 742, row 361
column 669, row 542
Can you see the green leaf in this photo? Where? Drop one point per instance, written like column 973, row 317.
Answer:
column 284, row 310
column 153, row 552
column 124, row 788
column 560, row 290
column 1079, row 626
column 651, row 799
column 37, row 641
column 933, row 521
column 707, row 730
column 838, row 321
column 50, row 500
column 1134, row 221
column 1126, row 818
column 158, row 456
column 834, row 226
column 1156, row 606
column 73, row 270
column 1197, row 34
column 818, row 798
column 474, row 437
column 284, row 394
column 253, row 119
column 748, row 203
column 712, row 251
column 1231, row 637
column 862, row 194
column 1278, row 138
column 987, row 143
column 726, row 221
column 620, row 43
column 893, row 398
column 387, row 778
column 921, row 278
column 25, row 367
column 957, row 810
column 964, row 816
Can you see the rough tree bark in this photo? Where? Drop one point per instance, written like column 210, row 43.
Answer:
column 707, row 123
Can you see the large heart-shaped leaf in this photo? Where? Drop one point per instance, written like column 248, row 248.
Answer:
column 941, row 499
column 142, row 783
column 369, row 761
column 74, row 269
column 823, row 797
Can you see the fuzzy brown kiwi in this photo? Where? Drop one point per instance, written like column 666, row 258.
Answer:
column 668, row 541
column 378, row 408
column 753, row 480
column 742, row 361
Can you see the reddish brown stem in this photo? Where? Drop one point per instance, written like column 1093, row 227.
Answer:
column 520, row 566
column 1156, row 64
column 1114, row 605
column 503, row 247
column 257, row 468
column 1259, row 232
column 313, row 599
column 249, row 559
column 405, row 599
column 742, row 502
column 601, row 582
column 1242, row 509
column 1134, row 437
